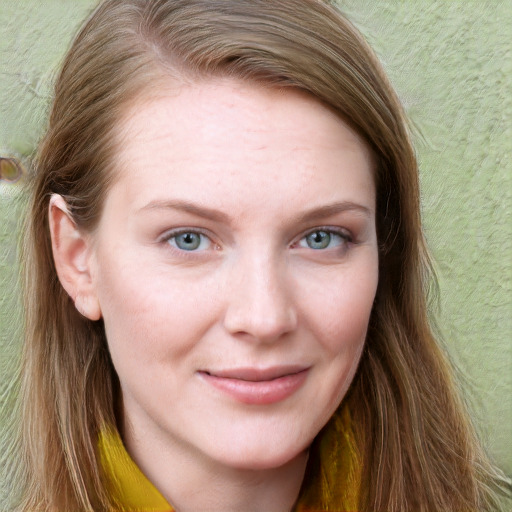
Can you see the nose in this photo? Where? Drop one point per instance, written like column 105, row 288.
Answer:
column 259, row 306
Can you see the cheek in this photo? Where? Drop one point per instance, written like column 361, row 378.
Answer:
column 150, row 315
column 339, row 310
column 338, row 318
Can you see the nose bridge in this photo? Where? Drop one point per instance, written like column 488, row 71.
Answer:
column 260, row 305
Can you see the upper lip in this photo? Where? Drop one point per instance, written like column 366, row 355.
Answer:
column 257, row 374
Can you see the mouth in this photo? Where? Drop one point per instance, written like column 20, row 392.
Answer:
column 257, row 374
column 257, row 386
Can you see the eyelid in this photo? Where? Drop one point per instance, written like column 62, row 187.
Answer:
column 337, row 230
column 342, row 232
column 172, row 233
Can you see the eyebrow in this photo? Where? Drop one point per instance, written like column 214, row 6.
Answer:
column 310, row 215
column 188, row 207
column 332, row 209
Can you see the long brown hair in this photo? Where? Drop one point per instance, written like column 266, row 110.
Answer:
column 418, row 451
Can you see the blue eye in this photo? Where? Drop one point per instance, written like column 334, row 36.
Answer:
column 189, row 241
column 322, row 239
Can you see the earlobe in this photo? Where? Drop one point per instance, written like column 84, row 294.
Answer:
column 72, row 255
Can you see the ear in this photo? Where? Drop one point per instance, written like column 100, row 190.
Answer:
column 72, row 255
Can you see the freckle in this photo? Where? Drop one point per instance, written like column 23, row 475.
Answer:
column 10, row 170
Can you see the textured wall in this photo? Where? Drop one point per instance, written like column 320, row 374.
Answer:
column 451, row 62
column 452, row 65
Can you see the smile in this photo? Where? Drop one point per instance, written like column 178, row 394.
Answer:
column 257, row 387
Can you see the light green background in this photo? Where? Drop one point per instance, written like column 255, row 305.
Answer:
column 451, row 63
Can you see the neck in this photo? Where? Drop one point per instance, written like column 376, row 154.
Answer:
column 192, row 481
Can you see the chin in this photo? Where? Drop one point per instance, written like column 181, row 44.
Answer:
column 260, row 458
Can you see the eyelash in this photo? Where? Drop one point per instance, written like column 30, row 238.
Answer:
column 345, row 236
column 170, row 235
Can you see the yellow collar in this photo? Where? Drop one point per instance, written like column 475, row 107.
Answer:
column 128, row 486
column 332, row 479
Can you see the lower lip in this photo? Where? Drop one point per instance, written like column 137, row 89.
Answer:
column 258, row 392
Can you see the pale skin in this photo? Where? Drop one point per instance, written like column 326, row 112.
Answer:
column 237, row 244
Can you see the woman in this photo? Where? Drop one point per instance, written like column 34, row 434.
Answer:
column 225, row 277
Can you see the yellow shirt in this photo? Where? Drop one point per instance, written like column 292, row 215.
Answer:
column 331, row 483
column 128, row 486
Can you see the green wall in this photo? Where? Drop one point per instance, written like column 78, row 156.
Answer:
column 452, row 65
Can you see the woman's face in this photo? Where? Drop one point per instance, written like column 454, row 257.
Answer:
column 235, row 264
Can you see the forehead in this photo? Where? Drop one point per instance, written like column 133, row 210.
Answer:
column 227, row 137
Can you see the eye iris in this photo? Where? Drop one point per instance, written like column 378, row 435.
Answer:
column 188, row 241
column 318, row 240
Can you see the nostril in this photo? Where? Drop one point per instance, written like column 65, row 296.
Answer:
column 259, row 326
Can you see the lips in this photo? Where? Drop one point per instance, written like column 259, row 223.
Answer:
column 257, row 386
